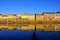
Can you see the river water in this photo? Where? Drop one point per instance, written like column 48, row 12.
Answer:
column 30, row 34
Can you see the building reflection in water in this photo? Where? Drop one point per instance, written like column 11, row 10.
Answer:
column 26, row 27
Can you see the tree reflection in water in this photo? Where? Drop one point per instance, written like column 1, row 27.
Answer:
column 34, row 36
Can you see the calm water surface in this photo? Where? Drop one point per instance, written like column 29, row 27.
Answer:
column 28, row 35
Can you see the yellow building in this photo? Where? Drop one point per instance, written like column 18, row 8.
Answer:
column 0, row 17
column 12, row 17
column 39, row 17
column 26, row 16
column 31, row 17
column 57, row 16
column 22, row 16
column 46, row 16
column 4, row 17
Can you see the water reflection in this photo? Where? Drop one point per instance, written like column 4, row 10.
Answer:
column 0, row 38
column 27, row 27
column 10, row 38
column 30, row 32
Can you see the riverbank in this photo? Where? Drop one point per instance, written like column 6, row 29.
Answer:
column 11, row 22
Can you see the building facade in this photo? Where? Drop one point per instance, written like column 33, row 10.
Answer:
column 25, row 16
column 46, row 16
column 57, row 16
column 12, row 17
column 49, row 16
column 1, row 17
column 39, row 17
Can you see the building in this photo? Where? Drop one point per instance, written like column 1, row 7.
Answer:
column 57, row 16
column 49, row 16
column 22, row 16
column 39, row 17
column 12, row 17
column 31, row 17
column 25, row 16
column 0, row 17
column 46, row 16
column 4, row 18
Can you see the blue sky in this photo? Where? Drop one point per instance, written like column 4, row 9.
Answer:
column 29, row 6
